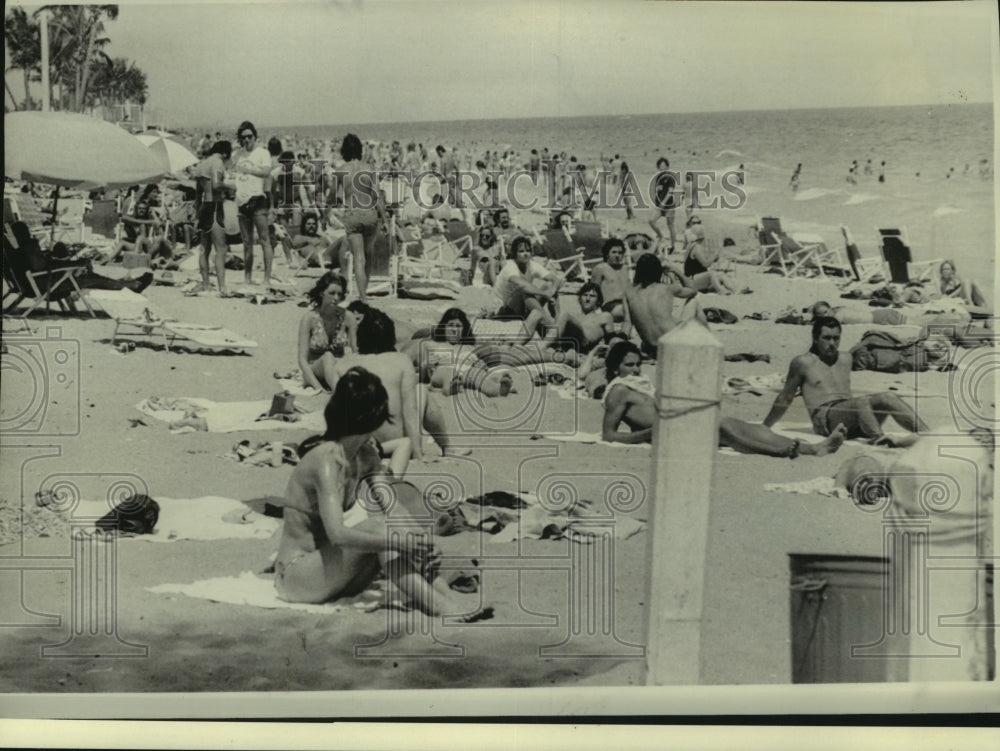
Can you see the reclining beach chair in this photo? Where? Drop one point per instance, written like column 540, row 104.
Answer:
column 30, row 274
column 895, row 248
column 866, row 270
column 563, row 254
column 134, row 311
column 784, row 252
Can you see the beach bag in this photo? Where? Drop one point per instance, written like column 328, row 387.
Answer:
column 282, row 403
column 885, row 352
column 136, row 515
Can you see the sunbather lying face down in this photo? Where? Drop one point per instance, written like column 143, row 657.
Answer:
column 630, row 400
column 320, row 557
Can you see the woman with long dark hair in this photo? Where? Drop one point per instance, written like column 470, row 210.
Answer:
column 333, row 547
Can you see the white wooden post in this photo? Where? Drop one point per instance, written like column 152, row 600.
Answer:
column 685, row 439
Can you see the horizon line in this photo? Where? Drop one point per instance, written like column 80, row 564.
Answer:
column 624, row 114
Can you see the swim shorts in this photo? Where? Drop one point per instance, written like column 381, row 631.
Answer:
column 610, row 305
column 360, row 221
column 820, row 417
column 649, row 350
column 209, row 215
column 256, row 205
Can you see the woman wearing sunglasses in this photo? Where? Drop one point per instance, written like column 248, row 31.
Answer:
column 252, row 164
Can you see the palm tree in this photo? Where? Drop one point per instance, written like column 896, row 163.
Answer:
column 21, row 35
column 116, row 81
column 77, row 35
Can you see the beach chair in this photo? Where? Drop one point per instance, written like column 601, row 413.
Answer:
column 382, row 266
column 130, row 310
column 30, row 275
column 562, row 254
column 784, row 252
column 69, row 224
column 866, row 270
column 769, row 244
column 895, row 248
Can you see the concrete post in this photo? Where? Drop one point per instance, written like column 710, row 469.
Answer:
column 685, row 439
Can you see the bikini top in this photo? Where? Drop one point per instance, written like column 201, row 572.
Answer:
column 327, row 332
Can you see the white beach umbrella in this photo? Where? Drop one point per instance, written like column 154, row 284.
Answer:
column 173, row 155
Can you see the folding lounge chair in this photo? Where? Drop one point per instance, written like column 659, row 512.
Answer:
column 866, row 270
column 895, row 248
column 783, row 251
column 30, row 274
column 134, row 311
column 563, row 254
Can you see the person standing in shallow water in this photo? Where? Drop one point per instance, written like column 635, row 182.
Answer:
column 796, row 175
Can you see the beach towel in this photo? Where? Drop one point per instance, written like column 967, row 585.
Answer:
column 532, row 522
column 756, row 385
column 258, row 591
column 225, row 417
column 820, row 486
column 206, row 518
column 582, row 436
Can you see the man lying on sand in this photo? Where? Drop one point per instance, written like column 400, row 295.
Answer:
column 629, row 398
column 651, row 302
column 824, row 377
column 320, row 557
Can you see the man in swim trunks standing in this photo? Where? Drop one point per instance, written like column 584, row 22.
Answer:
column 651, row 302
column 824, row 377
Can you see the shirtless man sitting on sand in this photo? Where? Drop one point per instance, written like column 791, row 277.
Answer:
column 651, row 302
column 586, row 329
column 376, row 335
column 630, row 399
column 612, row 277
column 824, row 378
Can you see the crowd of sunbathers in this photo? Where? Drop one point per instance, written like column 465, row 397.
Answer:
column 381, row 404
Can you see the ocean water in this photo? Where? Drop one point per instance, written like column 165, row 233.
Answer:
column 946, row 217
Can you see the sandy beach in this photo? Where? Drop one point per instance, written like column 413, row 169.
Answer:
column 200, row 645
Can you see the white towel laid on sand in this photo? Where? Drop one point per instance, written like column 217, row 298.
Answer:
column 536, row 523
column 227, row 417
column 206, row 518
column 818, row 485
column 258, row 591
column 581, row 436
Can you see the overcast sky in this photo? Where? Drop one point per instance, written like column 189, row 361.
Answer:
column 310, row 63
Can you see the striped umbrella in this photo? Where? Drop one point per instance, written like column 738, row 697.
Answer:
column 173, row 155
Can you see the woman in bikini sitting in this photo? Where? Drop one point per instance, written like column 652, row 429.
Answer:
column 951, row 285
column 697, row 272
column 325, row 331
column 331, row 546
